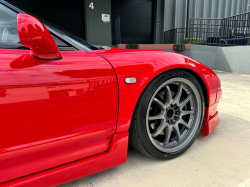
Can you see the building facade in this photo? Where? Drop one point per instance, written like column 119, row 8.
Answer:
column 109, row 22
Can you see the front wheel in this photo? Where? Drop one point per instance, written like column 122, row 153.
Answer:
column 168, row 116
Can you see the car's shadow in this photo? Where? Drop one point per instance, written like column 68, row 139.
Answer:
column 135, row 158
column 111, row 176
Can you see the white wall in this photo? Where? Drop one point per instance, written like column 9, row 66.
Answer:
column 231, row 59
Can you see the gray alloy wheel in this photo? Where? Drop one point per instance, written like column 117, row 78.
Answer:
column 173, row 115
column 169, row 115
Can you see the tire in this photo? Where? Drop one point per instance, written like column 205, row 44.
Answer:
column 172, row 102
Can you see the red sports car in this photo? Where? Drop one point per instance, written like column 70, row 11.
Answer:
column 69, row 109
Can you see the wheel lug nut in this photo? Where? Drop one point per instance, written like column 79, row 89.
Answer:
column 177, row 113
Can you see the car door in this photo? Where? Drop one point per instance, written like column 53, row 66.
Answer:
column 51, row 112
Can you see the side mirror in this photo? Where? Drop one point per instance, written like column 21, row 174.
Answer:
column 34, row 35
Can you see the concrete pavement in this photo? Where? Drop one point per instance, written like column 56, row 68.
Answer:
column 221, row 159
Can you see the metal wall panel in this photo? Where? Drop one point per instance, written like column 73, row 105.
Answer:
column 181, row 12
column 169, row 15
column 176, row 10
column 158, row 21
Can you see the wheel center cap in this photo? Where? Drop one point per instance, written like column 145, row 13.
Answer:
column 170, row 113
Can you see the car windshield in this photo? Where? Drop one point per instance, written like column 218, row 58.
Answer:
column 66, row 35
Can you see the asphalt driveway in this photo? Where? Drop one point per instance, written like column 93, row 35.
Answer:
column 221, row 159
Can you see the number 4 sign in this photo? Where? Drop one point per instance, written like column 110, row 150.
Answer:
column 91, row 5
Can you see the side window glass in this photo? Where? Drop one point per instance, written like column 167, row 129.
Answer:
column 59, row 42
column 8, row 26
column 62, row 45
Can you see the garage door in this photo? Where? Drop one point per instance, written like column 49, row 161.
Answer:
column 136, row 18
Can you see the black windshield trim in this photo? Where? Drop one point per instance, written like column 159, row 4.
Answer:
column 11, row 6
column 68, row 48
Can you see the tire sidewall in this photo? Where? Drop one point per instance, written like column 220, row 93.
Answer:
column 142, row 112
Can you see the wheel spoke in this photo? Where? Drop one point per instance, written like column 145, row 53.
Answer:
column 183, row 112
column 181, row 121
column 159, row 116
column 169, row 96
column 168, row 134
column 177, row 98
column 185, row 101
column 172, row 114
column 177, row 132
column 162, row 105
column 160, row 128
